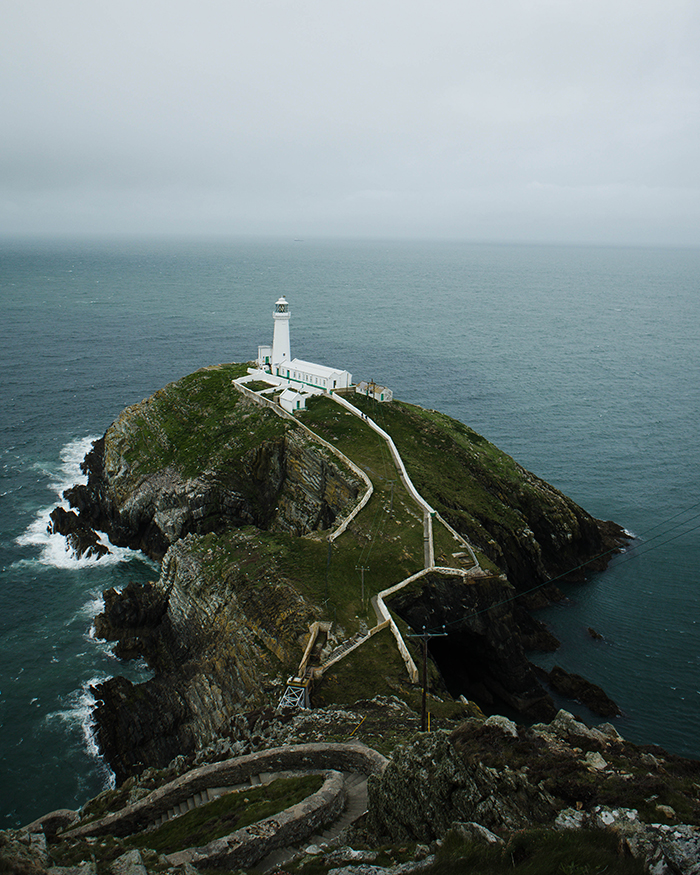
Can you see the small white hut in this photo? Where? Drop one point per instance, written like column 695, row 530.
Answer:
column 292, row 400
column 374, row 390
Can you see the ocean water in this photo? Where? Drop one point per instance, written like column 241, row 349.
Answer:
column 581, row 362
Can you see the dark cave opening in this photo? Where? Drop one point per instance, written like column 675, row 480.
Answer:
column 462, row 666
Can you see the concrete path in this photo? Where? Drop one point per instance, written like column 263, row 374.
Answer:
column 383, row 616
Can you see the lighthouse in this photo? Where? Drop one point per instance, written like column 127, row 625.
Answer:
column 280, row 337
column 276, row 361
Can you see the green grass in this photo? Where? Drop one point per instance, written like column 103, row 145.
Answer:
column 480, row 490
column 196, row 424
column 227, row 814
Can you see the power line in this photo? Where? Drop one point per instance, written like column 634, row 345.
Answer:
column 626, row 558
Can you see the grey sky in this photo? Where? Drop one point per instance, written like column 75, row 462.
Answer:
column 553, row 120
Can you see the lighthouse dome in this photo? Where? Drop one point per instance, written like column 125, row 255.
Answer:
column 281, row 305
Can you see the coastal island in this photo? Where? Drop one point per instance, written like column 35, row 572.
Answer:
column 242, row 504
column 311, row 558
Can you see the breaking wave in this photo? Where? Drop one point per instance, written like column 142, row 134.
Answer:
column 53, row 549
column 77, row 717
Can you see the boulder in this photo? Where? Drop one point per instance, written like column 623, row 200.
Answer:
column 428, row 785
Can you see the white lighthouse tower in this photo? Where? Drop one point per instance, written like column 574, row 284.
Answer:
column 280, row 339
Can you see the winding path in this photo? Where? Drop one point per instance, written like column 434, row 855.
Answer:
column 341, row 799
column 383, row 614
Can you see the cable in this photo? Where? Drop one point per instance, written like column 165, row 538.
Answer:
column 680, row 512
column 593, row 559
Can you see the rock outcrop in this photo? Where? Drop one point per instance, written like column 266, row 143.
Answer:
column 564, row 775
column 428, row 786
column 217, row 642
column 198, row 457
column 573, row 686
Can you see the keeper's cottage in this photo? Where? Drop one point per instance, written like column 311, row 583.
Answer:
column 277, row 359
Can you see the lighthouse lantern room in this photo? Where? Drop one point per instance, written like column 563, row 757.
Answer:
column 280, row 339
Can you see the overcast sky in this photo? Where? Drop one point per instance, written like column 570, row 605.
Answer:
column 526, row 120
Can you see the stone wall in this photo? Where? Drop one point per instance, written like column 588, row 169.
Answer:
column 311, row 757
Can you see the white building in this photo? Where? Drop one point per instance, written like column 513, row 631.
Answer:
column 318, row 376
column 374, row 390
column 277, row 360
column 292, row 400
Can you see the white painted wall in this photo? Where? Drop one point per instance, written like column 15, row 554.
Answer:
column 280, row 338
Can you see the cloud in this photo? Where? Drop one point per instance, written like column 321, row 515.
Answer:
column 383, row 117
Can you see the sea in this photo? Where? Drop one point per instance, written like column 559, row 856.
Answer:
column 581, row 362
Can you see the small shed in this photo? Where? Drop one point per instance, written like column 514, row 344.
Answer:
column 291, row 400
column 374, row 390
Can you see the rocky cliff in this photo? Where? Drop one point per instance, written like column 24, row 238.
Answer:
column 198, row 457
column 232, row 498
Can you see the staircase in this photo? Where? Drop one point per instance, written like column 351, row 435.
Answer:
column 211, row 793
column 355, row 807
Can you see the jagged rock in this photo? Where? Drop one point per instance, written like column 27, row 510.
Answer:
column 86, row 867
column 571, row 818
column 428, row 786
column 130, row 863
column 566, row 726
column 81, row 538
column 474, row 832
column 23, row 852
column 573, row 686
column 595, row 761
column 503, row 723
column 398, row 869
column 146, row 492
column 349, row 855
column 212, row 640
column 665, row 850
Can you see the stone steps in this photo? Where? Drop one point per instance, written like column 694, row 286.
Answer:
column 355, row 807
column 345, row 648
column 208, row 795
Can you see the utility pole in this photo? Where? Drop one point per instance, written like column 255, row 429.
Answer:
column 362, row 569
column 426, row 636
column 328, row 564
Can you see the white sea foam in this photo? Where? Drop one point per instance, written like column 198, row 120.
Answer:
column 78, row 717
column 53, row 548
column 92, row 607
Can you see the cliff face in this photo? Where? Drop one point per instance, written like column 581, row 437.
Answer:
column 218, row 637
column 199, row 457
column 481, row 656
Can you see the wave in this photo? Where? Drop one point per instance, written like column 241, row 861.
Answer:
column 78, row 717
column 54, row 550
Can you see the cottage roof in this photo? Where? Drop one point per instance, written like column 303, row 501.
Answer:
column 311, row 368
